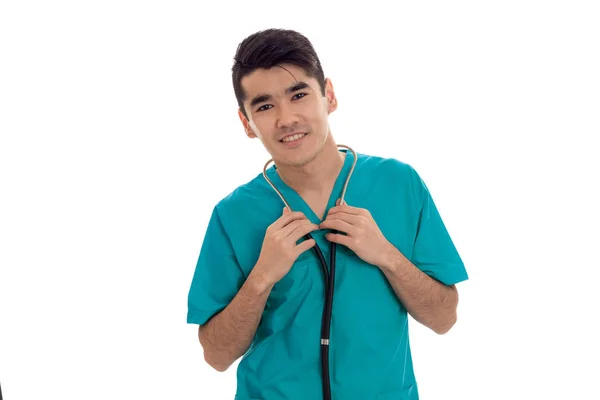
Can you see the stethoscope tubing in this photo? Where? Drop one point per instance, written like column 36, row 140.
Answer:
column 329, row 278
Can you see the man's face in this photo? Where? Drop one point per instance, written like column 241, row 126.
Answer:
column 287, row 112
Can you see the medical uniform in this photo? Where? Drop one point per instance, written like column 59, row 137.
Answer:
column 370, row 356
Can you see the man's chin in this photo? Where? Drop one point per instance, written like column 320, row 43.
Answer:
column 298, row 160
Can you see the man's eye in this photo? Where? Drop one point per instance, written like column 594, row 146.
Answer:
column 299, row 96
column 264, row 108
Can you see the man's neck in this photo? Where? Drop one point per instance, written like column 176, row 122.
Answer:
column 318, row 175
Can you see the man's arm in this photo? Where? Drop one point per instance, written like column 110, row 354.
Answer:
column 428, row 301
column 228, row 335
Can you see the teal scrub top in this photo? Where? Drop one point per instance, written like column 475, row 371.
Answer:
column 370, row 356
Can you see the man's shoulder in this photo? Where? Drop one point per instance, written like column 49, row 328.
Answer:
column 389, row 172
column 383, row 164
column 243, row 193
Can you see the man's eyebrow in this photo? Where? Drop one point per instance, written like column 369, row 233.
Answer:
column 296, row 87
column 261, row 98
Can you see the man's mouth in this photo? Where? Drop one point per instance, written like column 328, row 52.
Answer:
column 293, row 138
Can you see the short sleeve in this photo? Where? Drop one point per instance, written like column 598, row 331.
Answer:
column 217, row 277
column 434, row 251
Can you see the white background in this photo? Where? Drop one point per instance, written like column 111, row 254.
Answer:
column 119, row 133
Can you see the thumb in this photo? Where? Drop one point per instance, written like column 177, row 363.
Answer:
column 285, row 209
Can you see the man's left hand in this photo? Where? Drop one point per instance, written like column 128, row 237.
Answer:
column 363, row 236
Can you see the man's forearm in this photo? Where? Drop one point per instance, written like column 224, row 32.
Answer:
column 228, row 335
column 428, row 301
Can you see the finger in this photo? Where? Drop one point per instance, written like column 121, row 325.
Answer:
column 286, row 218
column 305, row 245
column 339, row 201
column 345, row 208
column 290, row 228
column 302, row 230
column 352, row 219
column 339, row 238
column 338, row 225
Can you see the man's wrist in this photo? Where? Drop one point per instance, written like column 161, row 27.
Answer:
column 259, row 281
column 391, row 258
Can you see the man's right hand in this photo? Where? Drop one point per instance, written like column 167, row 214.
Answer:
column 279, row 250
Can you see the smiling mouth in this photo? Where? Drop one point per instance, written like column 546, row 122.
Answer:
column 293, row 138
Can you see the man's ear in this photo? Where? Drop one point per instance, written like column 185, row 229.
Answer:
column 249, row 131
column 330, row 95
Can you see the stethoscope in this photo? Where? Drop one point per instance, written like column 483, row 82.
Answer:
column 329, row 276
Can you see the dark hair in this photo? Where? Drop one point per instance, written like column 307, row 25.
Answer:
column 267, row 48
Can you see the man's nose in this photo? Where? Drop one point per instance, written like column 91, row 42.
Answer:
column 286, row 117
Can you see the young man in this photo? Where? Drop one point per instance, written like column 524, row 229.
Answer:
column 258, row 289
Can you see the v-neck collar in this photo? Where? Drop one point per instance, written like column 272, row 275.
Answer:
column 296, row 201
